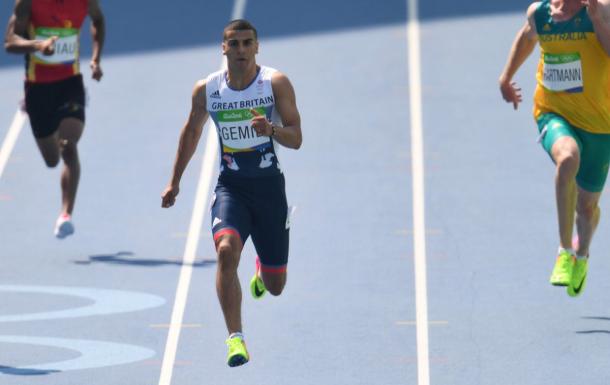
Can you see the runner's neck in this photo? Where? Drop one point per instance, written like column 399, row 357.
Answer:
column 239, row 80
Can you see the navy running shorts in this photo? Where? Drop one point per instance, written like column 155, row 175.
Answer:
column 254, row 207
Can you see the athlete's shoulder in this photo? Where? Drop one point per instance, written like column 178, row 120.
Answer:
column 267, row 72
column 532, row 15
column 215, row 79
column 200, row 87
column 279, row 78
column 281, row 85
column 22, row 8
column 533, row 7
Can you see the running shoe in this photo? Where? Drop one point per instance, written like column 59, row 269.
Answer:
column 579, row 277
column 238, row 355
column 257, row 286
column 562, row 272
column 63, row 226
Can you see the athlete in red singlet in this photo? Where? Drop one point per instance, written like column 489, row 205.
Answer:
column 47, row 32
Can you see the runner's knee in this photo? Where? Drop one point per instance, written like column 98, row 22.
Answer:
column 69, row 152
column 50, row 160
column 275, row 289
column 227, row 256
column 274, row 283
column 567, row 163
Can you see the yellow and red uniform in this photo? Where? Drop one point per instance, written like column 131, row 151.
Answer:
column 62, row 18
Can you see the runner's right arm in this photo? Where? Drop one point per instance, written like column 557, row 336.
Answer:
column 98, row 33
column 15, row 40
column 189, row 138
column 524, row 44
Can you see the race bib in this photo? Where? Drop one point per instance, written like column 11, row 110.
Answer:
column 236, row 132
column 562, row 72
column 66, row 46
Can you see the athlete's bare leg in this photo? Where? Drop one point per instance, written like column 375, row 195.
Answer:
column 566, row 155
column 587, row 219
column 274, row 281
column 70, row 131
column 63, row 144
column 228, row 248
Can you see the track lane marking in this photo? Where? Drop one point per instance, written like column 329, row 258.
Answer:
column 201, row 202
column 11, row 138
column 417, row 171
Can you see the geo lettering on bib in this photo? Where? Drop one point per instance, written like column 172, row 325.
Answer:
column 234, row 127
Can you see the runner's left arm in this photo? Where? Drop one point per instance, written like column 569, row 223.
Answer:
column 289, row 134
column 98, row 33
column 599, row 13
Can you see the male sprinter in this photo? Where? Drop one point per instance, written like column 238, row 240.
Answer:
column 47, row 32
column 254, row 108
column 572, row 110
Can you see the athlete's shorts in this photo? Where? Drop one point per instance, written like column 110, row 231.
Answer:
column 256, row 207
column 594, row 149
column 48, row 103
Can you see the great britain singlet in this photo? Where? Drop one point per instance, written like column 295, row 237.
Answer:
column 573, row 77
column 243, row 152
column 62, row 18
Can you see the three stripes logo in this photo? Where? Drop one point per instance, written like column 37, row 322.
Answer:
column 215, row 94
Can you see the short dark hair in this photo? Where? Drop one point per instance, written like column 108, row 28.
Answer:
column 239, row 25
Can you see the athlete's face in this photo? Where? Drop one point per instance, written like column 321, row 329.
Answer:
column 565, row 8
column 240, row 47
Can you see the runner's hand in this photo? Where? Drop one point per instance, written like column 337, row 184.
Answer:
column 47, row 47
column 260, row 123
column 511, row 93
column 96, row 70
column 168, row 198
column 593, row 8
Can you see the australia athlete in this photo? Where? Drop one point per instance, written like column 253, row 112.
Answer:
column 47, row 32
column 572, row 111
column 254, row 109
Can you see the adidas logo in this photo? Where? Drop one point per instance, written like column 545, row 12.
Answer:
column 215, row 94
column 216, row 221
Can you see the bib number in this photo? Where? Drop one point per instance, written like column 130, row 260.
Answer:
column 66, row 46
column 236, row 132
column 562, row 72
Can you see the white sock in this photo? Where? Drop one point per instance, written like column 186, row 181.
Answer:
column 236, row 335
column 569, row 250
column 582, row 256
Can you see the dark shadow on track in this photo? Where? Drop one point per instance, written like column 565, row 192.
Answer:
column 127, row 258
column 137, row 26
column 595, row 331
column 597, row 318
column 25, row 372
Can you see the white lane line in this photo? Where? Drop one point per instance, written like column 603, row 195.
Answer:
column 11, row 138
column 186, row 271
column 239, row 9
column 204, row 188
column 417, row 170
